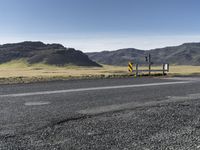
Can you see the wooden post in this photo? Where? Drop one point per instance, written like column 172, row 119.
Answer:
column 149, row 69
column 163, row 69
column 136, row 70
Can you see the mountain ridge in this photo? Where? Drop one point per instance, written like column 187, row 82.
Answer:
column 184, row 54
column 37, row 52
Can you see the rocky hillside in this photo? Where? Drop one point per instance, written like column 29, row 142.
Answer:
column 185, row 54
column 38, row 52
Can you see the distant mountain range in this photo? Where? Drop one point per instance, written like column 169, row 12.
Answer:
column 185, row 54
column 57, row 54
column 38, row 52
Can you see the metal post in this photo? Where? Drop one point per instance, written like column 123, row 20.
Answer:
column 149, row 58
column 149, row 64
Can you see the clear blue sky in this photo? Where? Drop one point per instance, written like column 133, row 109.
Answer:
column 93, row 25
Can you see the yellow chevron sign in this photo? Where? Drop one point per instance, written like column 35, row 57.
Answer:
column 130, row 67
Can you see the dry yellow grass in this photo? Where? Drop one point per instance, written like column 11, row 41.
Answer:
column 184, row 70
column 21, row 69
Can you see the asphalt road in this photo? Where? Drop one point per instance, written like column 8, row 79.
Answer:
column 132, row 113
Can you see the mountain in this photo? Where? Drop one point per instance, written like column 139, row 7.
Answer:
column 185, row 54
column 118, row 57
column 37, row 52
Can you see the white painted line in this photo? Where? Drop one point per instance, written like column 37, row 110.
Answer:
column 91, row 89
column 184, row 78
column 36, row 103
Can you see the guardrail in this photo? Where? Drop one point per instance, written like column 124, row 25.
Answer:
column 164, row 69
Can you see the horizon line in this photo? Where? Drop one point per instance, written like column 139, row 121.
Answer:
column 34, row 41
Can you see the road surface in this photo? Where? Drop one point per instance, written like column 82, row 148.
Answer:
column 130, row 113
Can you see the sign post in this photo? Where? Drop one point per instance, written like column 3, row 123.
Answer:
column 165, row 68
column 136, row 73
column 149, row 64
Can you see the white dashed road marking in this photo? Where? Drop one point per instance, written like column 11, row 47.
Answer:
column 36, row 103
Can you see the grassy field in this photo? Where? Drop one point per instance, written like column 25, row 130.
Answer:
column 21, row 71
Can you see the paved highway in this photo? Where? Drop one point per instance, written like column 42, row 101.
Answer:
column 131, row 113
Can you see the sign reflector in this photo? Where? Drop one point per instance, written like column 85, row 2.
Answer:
column 130, row 67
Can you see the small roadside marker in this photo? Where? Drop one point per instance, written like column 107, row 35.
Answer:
column 130, row 67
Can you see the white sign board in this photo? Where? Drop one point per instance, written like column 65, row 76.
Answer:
column 166, row 67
